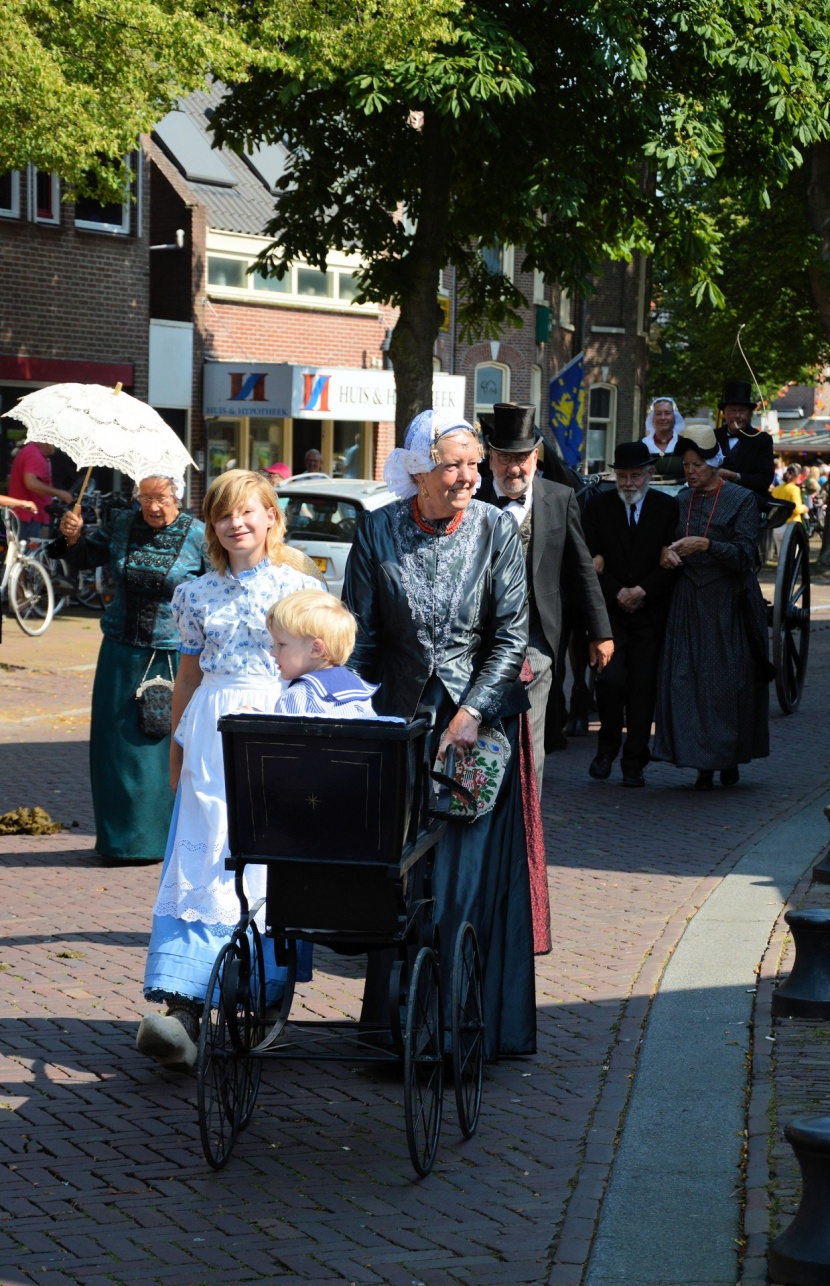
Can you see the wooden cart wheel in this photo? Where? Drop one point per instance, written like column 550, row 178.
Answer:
column 423, row 1062
column 467, row 1029
column 791, row 617
column 220, row 1082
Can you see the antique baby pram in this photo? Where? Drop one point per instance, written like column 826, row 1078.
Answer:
column 346, row 819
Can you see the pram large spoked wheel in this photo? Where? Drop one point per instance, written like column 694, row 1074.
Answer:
column 467, row 1011
column 423, row 1062
column 791, row 617
column 232, row 1025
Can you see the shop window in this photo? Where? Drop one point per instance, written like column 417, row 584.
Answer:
column 44, row 196
column 227, row 273
column 222, row 447
column 492, row 384
column 310, row 281
column 602, row 413
column 10, row 194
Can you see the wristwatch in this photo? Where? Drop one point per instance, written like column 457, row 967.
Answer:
column 476, row 714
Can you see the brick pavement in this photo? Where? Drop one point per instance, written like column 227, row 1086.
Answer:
column 105, row 1181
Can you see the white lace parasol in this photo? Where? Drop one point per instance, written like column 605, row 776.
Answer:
column 97, row 425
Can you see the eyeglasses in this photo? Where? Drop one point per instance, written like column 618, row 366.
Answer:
column 511, row 457
column 147, row 501
column 636, row 475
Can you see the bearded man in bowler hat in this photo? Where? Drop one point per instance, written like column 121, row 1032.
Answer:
column 547, row 516
column 627, row 530
column 748, row 455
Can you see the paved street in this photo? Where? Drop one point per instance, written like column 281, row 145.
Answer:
column 105, row 1180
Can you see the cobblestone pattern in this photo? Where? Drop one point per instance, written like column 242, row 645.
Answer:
column 105, row 1181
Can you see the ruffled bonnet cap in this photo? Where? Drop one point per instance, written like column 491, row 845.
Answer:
column 417, row 453
column 679, row 422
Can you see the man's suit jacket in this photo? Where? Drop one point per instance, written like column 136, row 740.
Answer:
column 558, row 554
column 752, row 458
column 632, row 555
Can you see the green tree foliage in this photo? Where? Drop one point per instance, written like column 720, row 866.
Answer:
column 768, row 254
column 81, row 79
column 580, row 131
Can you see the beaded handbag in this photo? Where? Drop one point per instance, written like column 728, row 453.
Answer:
column 155, row 702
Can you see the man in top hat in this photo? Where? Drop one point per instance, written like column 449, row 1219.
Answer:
column 547, row 516
column 748, row 455
column 626, row 530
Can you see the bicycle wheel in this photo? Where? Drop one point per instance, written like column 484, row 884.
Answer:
column 31, row 596
column 54, row 568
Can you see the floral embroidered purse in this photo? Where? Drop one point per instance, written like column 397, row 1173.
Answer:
column 481, row 772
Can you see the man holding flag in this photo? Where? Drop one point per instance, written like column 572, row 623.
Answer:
column 547, row 516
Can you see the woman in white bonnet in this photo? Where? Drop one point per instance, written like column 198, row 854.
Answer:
column 437, row 583
column 664, row 424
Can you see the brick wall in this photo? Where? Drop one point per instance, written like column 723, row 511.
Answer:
column 75, row 294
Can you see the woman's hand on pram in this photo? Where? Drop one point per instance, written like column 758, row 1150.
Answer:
column 462, row 733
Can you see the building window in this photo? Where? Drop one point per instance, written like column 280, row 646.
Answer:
column 539, row 287
column 10, row 194
column 44, row 196
column 300, row 282
column 107, row 216
column 492, row 384
column 498, row 259
column 565, row 308
column 602, row 414
column 536, row 391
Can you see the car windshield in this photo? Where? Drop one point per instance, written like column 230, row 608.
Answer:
column 323, row 517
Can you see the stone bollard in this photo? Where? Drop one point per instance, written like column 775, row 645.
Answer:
column 821, row 870
column 801, row 1255
column 806, row 993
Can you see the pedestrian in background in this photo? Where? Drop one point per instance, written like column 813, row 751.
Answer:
column 788, row 490
column 664, row 424
column 627, row 530
column 31, row 479
column 712, row 690
column 148, row 555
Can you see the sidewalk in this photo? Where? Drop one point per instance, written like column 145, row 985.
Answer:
column 105, row 1179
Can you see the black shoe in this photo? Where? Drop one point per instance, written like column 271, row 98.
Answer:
column 633, row 777
column 705, row 780
column 729, row 777
column 600, row 767
column 577, row 727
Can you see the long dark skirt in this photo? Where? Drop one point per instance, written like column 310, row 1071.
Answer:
column 481, row 875
column 712, row 701
column 130, row 773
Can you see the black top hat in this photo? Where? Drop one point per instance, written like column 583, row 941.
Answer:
column 511, row 427
column 737, row 393
column 631, row 455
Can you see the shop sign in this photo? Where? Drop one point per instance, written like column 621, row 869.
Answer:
column 313, row 392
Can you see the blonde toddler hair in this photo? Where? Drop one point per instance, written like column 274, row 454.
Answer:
column 314, row 614
column 225, row 494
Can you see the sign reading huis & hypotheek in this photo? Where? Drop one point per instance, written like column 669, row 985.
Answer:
column 313, row 392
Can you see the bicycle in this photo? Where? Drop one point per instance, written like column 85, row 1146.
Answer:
column 25, row 584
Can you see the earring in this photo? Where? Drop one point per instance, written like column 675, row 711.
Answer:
column 424, row 493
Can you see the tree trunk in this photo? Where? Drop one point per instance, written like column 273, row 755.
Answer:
column 413, row 338
column 818, row 204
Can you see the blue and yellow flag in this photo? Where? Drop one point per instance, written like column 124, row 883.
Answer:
column 567, row 409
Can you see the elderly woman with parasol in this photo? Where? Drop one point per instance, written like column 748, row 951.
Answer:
column 148, row 554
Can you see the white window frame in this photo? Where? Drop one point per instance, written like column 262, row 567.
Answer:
column 249, row 292
column 610, row 424
column 536, row 391
column 121, row 229
column 13, row 211
column 565, row 314
column 34, row 217
column 505, row 391
column 539, row 296
column 506, row 258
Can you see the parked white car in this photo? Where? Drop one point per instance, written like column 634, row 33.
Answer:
column 321, row 518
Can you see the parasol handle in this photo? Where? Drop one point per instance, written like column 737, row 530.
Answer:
column 77, row 506
column 118, row 388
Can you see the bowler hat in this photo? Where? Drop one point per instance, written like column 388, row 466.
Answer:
column 631, row 455
column 511, row 427
column 737, row 393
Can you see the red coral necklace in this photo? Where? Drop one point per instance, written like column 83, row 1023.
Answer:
column 429, row 527
column 718, row 490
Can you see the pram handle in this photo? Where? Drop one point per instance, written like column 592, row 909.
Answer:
column 448, row 787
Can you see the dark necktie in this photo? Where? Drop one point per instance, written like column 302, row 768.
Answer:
column 502, row 501
column 632, row 515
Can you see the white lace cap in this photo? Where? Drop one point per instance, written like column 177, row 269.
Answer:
column 679, row 422
column 416, row 455
column 176, row 484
